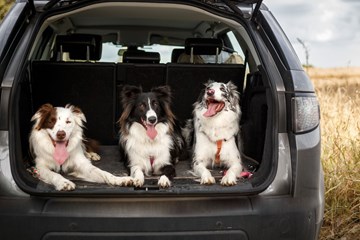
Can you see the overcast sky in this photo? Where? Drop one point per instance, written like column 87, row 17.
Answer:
column 329, row 28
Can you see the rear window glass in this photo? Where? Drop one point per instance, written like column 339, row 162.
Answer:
column 113, row 53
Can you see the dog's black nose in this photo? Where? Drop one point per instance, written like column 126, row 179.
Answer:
column 60, row 135
column 210, row 92
column 152, row 119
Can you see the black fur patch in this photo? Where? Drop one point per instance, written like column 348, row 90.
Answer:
column 169, row 171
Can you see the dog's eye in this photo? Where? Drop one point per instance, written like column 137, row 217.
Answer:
column 68, row 122
column 222, row 89
column 51, row 120
column 142, row 106
column 155, row 103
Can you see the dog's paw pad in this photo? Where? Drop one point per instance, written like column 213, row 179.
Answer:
column 164, row 182
column 209, row 180
column 228, row 180
column 65, row 185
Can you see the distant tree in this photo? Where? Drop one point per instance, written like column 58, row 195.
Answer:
column 307, row 53
column 5, row 5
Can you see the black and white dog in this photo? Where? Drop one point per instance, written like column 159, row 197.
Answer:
column 216, row 118
column 150, row 139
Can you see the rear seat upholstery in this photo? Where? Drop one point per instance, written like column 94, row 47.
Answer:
column 95, row 87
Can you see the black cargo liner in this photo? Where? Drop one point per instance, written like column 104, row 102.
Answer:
column 184, row 182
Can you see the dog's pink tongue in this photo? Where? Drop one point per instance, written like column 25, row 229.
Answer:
column 151, row 131
column 212, row 110
column 60, row 153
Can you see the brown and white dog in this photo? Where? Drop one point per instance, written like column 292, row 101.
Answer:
column 57, row 142
column 216, row 119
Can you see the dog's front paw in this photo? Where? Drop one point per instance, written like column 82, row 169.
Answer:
column 138, row 182
column 207, row 180
column 65, row 185
column 92, row 156
column 124, row 181
column 164, row 182
column 228, row 180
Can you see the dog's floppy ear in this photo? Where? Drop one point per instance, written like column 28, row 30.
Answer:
column 79, row 115
column 234, row 94
column 232, row 87
column 42, row 114
column 163, row 93
column 128, row 98
column 130, row 92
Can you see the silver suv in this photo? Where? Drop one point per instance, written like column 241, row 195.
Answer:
column 82, row 52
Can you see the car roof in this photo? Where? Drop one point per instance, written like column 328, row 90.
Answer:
column 137, row 23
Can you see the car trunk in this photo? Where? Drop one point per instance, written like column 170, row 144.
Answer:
column 95, row 87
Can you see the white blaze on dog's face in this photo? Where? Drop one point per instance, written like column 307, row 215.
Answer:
column 147, row 112
column 151, row 116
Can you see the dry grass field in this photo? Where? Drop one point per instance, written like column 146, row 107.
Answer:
column 338, row 91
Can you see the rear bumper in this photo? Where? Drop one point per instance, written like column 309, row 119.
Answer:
column 176, row 218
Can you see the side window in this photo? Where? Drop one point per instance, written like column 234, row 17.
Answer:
column 235, row 44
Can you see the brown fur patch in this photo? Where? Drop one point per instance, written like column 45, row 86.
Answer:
column 47, row 117
column 76, row 110
column 91, row 145
column 124, row 116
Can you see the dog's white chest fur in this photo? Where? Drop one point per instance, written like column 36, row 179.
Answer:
column 148, row 153
column 222, row 126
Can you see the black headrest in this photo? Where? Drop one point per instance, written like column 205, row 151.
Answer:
column 80, row 46
column 176, row 52
column 141, row 57
column 203, row 46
